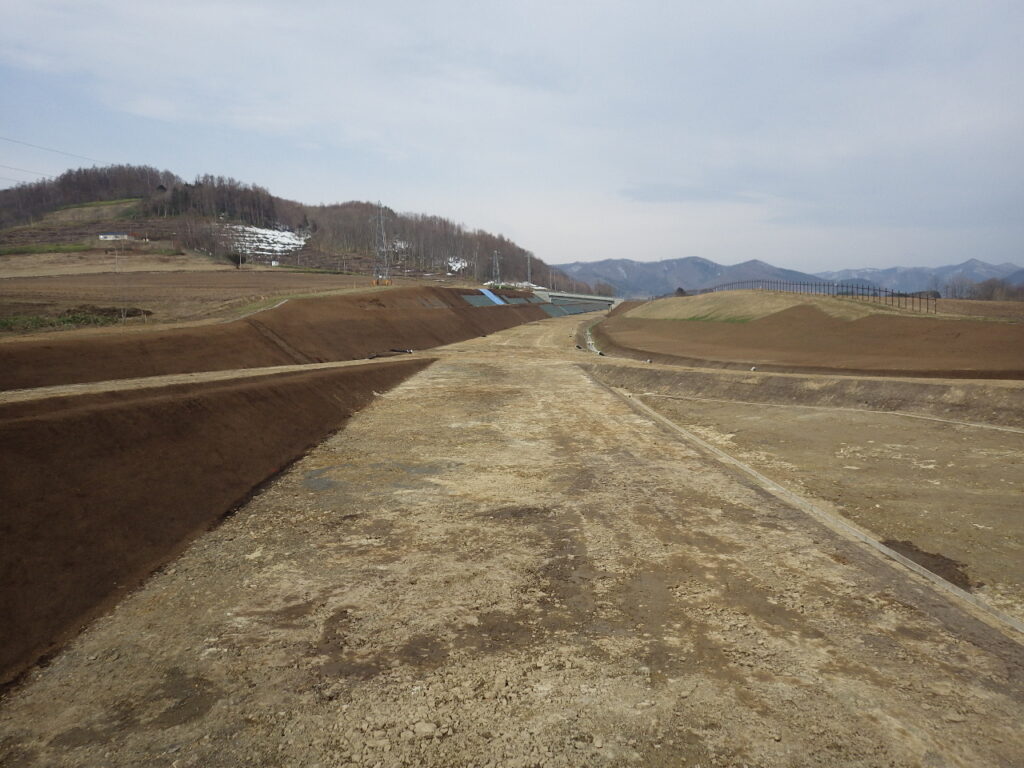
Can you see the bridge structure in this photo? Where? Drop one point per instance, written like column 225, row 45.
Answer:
column 569, row 303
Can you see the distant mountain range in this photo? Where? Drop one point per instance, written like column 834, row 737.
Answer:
column 655, row 278
column 925, row 278
column 632, row 279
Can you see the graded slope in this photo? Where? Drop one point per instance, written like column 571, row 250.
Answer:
column 800, row 333
column 100, row 489
column 345, row 327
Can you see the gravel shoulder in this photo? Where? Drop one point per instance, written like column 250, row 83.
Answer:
column 500, row 562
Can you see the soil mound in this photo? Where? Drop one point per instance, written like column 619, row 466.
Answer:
column 804, row 338
column 100, row 489
column 348, row 327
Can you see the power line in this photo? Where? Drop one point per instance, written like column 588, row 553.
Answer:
column 50, row 149
column 8, row 178
column 26, row 170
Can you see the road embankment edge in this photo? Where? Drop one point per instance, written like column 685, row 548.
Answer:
column 101, row 489
column 975, row 403
column 1008, row 625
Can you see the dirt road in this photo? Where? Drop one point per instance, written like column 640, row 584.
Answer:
column 952, row 490
column 501, row 562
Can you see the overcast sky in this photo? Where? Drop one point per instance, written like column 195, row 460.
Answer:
column 808, row 133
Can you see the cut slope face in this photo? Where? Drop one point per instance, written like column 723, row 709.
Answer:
column 348, row 327
column 804, row 337
column 101, row 489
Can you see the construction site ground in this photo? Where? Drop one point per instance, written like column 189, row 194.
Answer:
column 504, row 562
column 175, row 289
column 791, row 331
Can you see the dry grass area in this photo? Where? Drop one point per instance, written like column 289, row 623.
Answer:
column 101, row 260
column 185, row 288
column 1006, row 310
column 742, row 306
column 96, row 212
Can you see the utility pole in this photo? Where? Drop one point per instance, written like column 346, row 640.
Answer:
column 120, row 284
column 528, row 259
column 382, row 264
column 496, row 270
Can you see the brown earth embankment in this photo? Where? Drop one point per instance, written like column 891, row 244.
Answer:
column 348, row 327
column 101, row 489
column 805, row 339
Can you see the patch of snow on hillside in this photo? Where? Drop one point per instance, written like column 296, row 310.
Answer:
column 456, row 264
column 522, row 285
column 258, row 241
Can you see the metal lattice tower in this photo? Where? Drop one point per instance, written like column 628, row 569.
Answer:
column 382, row 263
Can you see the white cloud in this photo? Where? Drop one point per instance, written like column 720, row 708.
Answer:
column 595, row 123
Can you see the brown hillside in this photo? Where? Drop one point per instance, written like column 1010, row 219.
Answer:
column 805, row 338
column 347, row 327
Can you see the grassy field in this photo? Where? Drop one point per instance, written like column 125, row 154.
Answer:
column 24, row 323
column 100, row 203
column 45, row 248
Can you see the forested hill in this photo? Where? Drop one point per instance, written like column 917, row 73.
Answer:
column 419, row 242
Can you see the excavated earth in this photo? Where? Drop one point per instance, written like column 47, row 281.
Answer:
column 102, row 487
column 504, row 561
column 302, row 331
column 117, row 449
column 874, row 344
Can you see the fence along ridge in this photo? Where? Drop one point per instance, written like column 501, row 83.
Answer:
column 918, row 301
